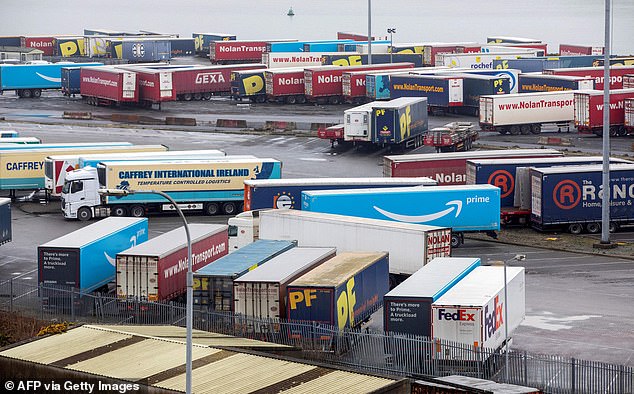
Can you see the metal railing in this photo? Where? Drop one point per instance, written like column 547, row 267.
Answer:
column 390, row 353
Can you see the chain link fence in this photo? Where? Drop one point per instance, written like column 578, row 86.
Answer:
column 389, row 353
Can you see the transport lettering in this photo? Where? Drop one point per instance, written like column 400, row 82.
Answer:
column 25, row 165
column 99, row 81
column 329, row 79
column 144, row 82
column 613, row 79
column 533, row 87
column 418, row 88
column 241, row 48
column 297, row 297
column 537, row 104
column 493, row 320
column 345, row 305
column 613, row 106
column 443, row 178
column 197, row 258
column 291, row 81
column 458, row 315
column 208, row 78
column 296, row 59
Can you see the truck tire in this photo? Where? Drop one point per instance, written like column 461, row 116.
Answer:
column 613, row 227
column 198, row 96
column 334, row 100
column 536, row 129
column 525, row 129
column 212, row 209
column 137, row 211
column 301, row 99
column 36, row 93
column 456, row 240
column 514, row 130
column 229, row 208
column 84, row 214
column 260, row 99
column 207, row 95
column 187, row 97
column 593, row 228
column 291, row 99
column 119, row 211
column 502, row 130
column 575, row 228
column 26, row 93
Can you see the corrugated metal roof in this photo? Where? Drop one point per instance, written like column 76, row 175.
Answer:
column 246, row 257
column 174, row 240
column 92, row 232
column 239, row 373
column 56, row 347
column 338, row 269
column 287, row 264
column 338, row 382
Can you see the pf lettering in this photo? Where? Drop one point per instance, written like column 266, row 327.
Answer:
column 296, row 297
column 345, row 305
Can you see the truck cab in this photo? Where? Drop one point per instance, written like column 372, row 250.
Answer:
column 243, row 229
column 80, row 194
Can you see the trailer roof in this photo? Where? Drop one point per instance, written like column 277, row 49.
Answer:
column 537, row 160
column 245, row 258
column 93, row 232
column 477, row 288
column 600, row 92
column 225, row 159
column 429, row 189
column 374, row 223
column 171, row 241
column 435, row 278
column 338, row 269
column 285, row 265
column 583, row 168
column 398, row 102
column 474, row 154
column 476, row 75
column 340, row 181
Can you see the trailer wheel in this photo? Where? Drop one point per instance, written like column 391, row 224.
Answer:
column 119, row 211
column 514, row 130
column 536, row 128
column 525, row 129
column 198, row 96
column 614, row 131
column 301, row 99
column 84, row 214
column 622, row 132
column 137, row 211
column 187, row 97
column 575, row 228
column 207, row 95
column 27, row 93
column 613, row 227
column 36, row 93
column 502, row 130
column 593, row 228
column 456, row 241
column 334, row 100
column 229, row 208
column 260, row 99
column 291, row 99
column 211, row 209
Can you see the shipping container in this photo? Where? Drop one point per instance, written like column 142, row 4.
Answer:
column 85, row 258
column 527, row 113
column 570, row 198
column 5, row 221
column 616, row 74
column 262, row 292
column 342, row 292
column 349, row 234
column 588, row 111
column 292, row 59
column 480, row 310
column 285, row 85
column 213, row 283
column 248, row 84
column 287, row 193
column 325, row 84
column 347, row 59
column 480, row 60
column 450, row 168
column 108, row 86
column 156, row 270
column 407, row 307
column 377, row 84
column 203, row 40
column 385, row 123
column 574, row 50
column 529, row 83
column 238, row 51
column 140, row 50
column 440, row 91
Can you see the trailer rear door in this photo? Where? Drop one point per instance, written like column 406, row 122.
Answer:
column 582, row 109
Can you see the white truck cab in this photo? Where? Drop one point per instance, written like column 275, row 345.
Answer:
column 80, row 194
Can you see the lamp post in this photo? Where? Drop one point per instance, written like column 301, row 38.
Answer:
column 391, row 30
column 190, row 276
column 517, row 257
column 369, row 31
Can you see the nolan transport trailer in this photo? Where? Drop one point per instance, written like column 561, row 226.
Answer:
column 211, row 186
column 588, row 111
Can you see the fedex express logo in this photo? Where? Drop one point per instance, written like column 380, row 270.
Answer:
column 493, row 320
column 458, row 315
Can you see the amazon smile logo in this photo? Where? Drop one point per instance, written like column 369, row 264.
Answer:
column 50, row 79
column 455, row 205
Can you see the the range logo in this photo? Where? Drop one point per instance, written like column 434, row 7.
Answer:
column 138, row 50
column 567, row 194
column 504, row 180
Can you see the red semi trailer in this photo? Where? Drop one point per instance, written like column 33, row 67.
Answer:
column 589, row 111
column 285, row 85
column 106, row 85
column 616, row 74
column 353, row 82
column 324, row 84
column 225, row 52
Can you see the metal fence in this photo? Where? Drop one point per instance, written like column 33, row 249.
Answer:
column 365, row 351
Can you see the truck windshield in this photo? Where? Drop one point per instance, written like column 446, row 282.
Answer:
column 66, row 187
column 233, row 231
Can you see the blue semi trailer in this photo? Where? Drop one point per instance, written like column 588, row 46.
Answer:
column 465, row 208
column 85, row 258
column 28, row 80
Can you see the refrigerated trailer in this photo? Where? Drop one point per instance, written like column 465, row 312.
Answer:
column 527, row 113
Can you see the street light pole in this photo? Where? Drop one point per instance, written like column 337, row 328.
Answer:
column 369, row 31
column 391, row 30
column 189, row 318
column 518, row 257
